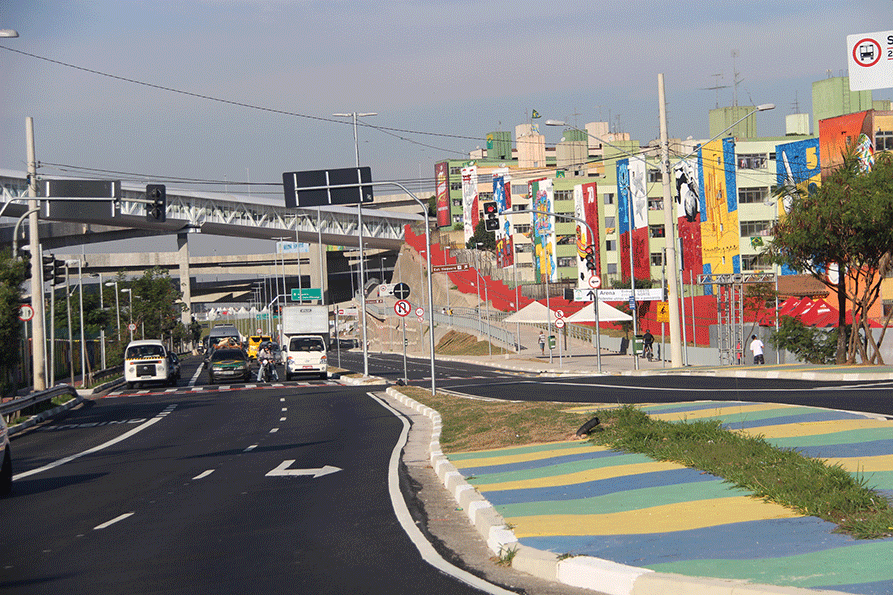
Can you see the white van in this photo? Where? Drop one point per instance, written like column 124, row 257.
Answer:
column 305, row 354
column 146, row 361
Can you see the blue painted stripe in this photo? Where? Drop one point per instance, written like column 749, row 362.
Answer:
column 752, row 540
column 779, row 420
column 539, row 463
column 853, row 449
column 594, row 489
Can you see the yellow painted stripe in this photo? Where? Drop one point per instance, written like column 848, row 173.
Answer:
column 525, row 457
column 816, row 427
column 659, row 519
column 716, row 411
column 580, row 476
column 496, row 451
column 867, row 464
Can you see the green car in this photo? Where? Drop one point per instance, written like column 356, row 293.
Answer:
column 228, row 364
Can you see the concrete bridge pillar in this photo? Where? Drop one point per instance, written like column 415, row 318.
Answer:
column 185, row 277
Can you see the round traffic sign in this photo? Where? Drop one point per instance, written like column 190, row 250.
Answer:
column 26, row 312
column 402, row 307
column 559, row 313
column 401, row 291
column 867, row 52
column 131, row 327
column 559, row 323
column 419, row 312
column 595, row 281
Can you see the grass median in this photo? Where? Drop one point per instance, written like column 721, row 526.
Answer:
column 783, row 476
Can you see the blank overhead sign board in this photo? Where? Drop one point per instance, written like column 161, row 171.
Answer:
column 324, row 187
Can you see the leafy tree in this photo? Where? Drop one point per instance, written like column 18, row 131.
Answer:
column 808, row 343
column 156, row 303
column 482, row 236
column 12, row 275
column 846, row 222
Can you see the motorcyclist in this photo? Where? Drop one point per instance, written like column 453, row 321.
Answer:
column 265, row 358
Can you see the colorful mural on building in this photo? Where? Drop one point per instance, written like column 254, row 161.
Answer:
column 586, row 208
column 502, row 194
column 442, row 189
column 469, row 200
column 720, row 233
column 688, row 217
column 632, row 207
column 797, row 165
column 543, row 230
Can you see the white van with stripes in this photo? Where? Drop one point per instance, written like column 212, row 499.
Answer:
column 146, row 361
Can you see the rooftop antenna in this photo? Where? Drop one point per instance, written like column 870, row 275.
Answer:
column 735, row 79
column 796, row 104
column 716, row 87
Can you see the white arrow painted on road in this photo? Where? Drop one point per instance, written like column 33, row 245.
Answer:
column 283, row 470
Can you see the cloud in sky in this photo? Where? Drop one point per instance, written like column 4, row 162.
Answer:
column 454, row 68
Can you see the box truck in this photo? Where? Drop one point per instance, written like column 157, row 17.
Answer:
column 305, row 340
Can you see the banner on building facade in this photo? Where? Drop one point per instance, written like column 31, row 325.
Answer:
column 542, row 232
column 586, row 208
column 720, row 232
column 442, row 186
column 469, row 200
column 632, row 216
column 502, row 194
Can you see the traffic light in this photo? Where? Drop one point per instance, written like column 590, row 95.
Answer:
column 591, row 265
column 491, row 216
column 52, row 268
column 156, row 208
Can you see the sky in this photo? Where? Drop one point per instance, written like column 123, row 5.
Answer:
column 238, row 91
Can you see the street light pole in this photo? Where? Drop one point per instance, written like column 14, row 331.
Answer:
column 362, row 316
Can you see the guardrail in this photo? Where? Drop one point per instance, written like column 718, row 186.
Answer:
column 17, row 405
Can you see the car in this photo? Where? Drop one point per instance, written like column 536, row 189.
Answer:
column 147, row 361
column 305, row 354
column 255, row 342
column 228, row 364
column 6, row 469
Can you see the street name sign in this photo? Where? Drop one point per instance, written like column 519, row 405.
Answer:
column 450, row 268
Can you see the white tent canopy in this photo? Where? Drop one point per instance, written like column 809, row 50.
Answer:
column 534, row 312
column 606, row 313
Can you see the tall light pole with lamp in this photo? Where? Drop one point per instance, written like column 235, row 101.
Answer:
column 362, row 317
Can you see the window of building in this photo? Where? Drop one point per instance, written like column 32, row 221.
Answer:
column 457, row 202
column 755, row 262
column 566, row 240
column 609, row 198
column 656, row 231
column 456, row 171
column 522, row 228
column 611, row 269
column 523, row 248
column 566, row 261
column 752, row 161
column 610, row 245
column 654, row 176
column 457, row 218
column 455, row 185
column 657, row 259
column 610, row 222
column 564, row 195
column 519, row 190
column 753, row 195
column 482, row 196
column 883, row 140
column 656, row 204
column 755, row 228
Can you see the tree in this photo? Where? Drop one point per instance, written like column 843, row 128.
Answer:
column 156, row 303
column 482, row 236
column 846, row 223
column 12, row 275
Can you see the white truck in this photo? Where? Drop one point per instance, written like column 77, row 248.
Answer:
column 305, row 331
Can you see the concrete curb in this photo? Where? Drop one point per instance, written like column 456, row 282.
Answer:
column 579, row 571
column 362, row 381
column 34, row 420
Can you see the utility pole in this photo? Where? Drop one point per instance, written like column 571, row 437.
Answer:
column 669, row 232
column 38, row 347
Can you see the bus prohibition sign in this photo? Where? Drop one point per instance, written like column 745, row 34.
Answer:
column 402, row 308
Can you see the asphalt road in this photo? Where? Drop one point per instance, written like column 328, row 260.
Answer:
column 177, row 496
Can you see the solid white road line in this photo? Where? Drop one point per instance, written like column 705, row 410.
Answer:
column 194, row 379
column 203, row 474
column 102, row 446
column 429, row 554
column 250, row 448
column 274, row 430
column 113, row 521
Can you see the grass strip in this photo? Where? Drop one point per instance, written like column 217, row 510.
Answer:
column 783, row 476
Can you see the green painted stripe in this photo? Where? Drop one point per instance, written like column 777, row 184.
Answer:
column 878, row 480
column 485, row 454
column 625, row 501
column 561, row 469
column 860, row 563
column 845, row 437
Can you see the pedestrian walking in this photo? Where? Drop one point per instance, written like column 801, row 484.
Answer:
column 542, row 342
column 756, row 347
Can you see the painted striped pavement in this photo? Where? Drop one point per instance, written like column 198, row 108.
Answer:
column 575, row 498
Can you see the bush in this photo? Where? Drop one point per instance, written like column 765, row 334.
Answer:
column 809, row 344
